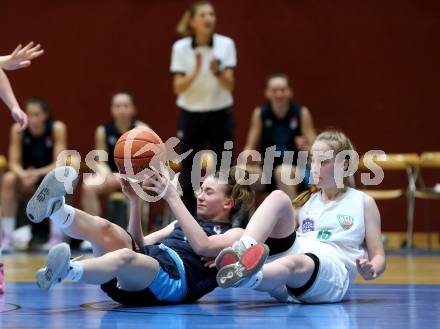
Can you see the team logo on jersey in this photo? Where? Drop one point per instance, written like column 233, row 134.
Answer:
column 48, row 142
column 308, row 225
column 293, row 123
column 218, row 229
column 345, row 221
column 268, row 123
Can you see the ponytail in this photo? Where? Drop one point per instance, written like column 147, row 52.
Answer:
column 242, row 194
column 184, row 26
column 302, row 198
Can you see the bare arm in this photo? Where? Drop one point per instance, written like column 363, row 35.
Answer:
column 226, row 79
column 100, row 144
column 21, row 57
column 374, row 266
column 60, row 144
column 157, row 236
column 182, row 82
column 256, row 127
column 15, row 151
column 6, row 93
column 135, row 220
column 307, row 128
column 197, row 238
column 135, row 225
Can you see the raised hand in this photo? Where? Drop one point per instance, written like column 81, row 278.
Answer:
column 127, row 189
column 160, row 183
column 366, row 269
column 21, row 57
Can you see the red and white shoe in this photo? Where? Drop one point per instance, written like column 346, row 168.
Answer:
column 249, row 263
column 230, row 255
column 2, row 279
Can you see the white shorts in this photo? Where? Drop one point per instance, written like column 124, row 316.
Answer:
column 330, row 285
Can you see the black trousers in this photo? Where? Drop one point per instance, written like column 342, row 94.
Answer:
column 201, row 131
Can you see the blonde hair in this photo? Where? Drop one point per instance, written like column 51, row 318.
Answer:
column 243, row 195
column 184, row 27
column 338, row 142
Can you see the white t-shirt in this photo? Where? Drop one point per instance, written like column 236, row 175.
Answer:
column 205, row 93
column 334, row 229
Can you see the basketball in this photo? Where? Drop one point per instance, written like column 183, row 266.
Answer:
column 138, row 149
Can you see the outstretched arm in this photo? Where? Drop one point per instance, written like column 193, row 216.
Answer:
column 198, row 239
column 7, row 95
column 21, row 57
column 135, row 221
column 374, row 266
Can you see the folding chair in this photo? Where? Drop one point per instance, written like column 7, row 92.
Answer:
column 406, row 162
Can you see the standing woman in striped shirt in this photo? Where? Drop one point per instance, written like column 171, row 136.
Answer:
column 202, row 63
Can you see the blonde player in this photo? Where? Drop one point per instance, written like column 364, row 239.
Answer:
column 337, row 236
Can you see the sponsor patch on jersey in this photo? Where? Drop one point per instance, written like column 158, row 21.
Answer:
column 218, row 229
column 308, row 225
column 345, row 221
column 293, row 123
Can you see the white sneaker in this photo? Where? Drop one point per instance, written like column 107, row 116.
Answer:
column 57, row 267
column 49, row 196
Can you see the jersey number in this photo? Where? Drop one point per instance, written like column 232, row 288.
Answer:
column 324, row 234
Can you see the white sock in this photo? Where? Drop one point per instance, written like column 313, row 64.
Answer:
column 253, row 282
column 64, row 216
column 76, row 271
column 8, row 224
column 248, row 241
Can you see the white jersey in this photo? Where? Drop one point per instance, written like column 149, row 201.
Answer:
column 333, row 229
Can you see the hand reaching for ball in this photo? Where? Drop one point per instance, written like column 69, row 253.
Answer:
column 159, row 182
column 128, row 190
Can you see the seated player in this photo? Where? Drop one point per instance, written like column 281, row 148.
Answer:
column 123, row 114
column 32, row 155
column 162, row 267
column 337, row 236
column 283, row 123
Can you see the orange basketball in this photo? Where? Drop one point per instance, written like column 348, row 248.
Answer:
column 135, row 150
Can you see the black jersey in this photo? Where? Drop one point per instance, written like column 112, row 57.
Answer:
column 200, row 279
column 37, row 151
column 281, row 133
column 112, row 134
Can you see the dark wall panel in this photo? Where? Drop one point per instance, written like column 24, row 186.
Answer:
column 367, row 67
